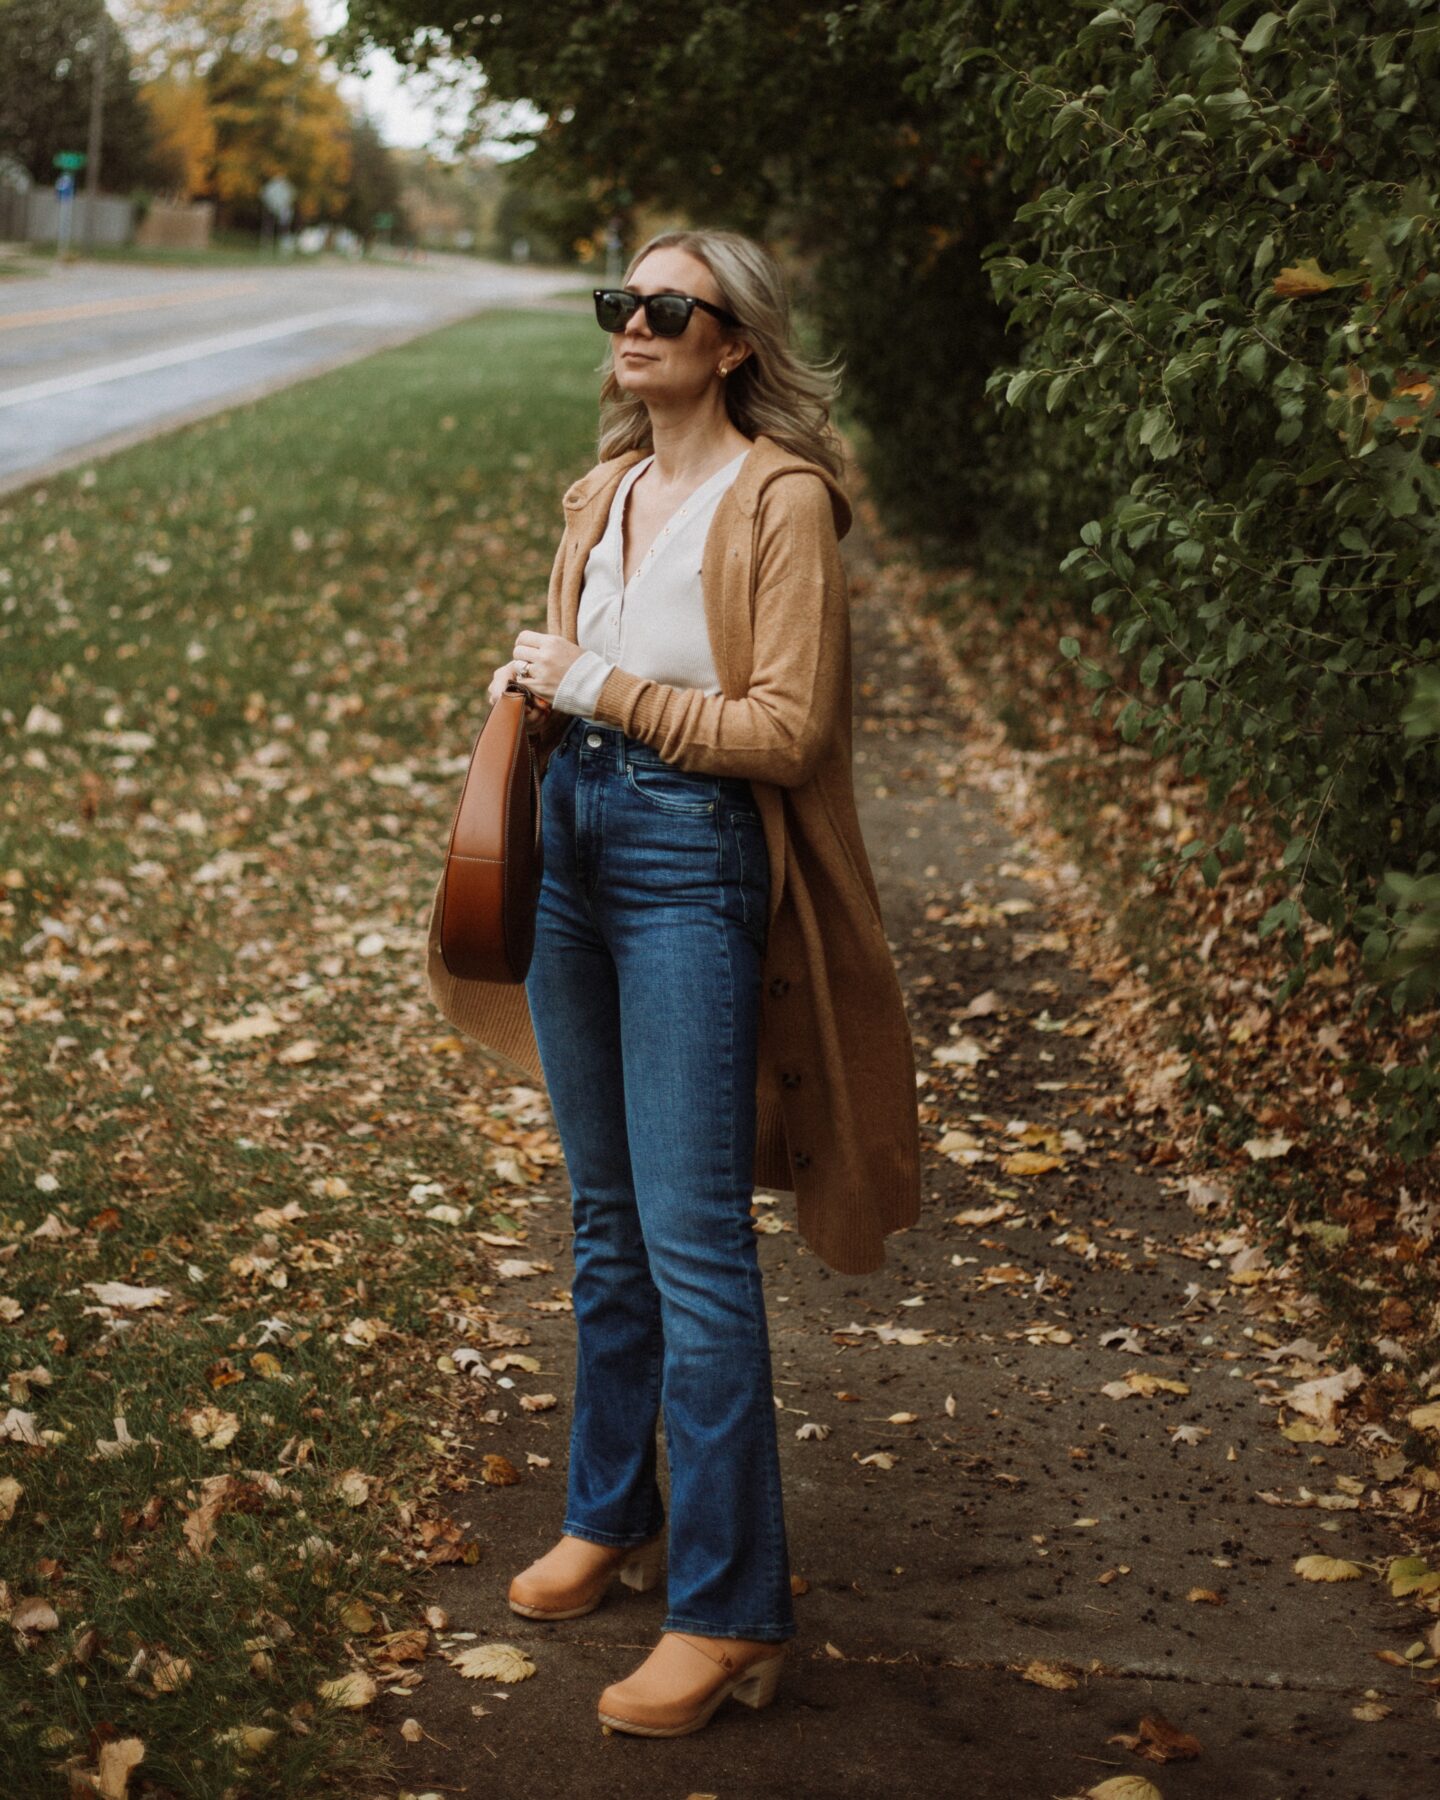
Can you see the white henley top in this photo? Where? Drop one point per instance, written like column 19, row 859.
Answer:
column 655, row 625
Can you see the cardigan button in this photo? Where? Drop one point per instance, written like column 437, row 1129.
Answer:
column 779, row 986
column 789, row 1079
column 801, row 1159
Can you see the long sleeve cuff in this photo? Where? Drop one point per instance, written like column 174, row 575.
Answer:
column 580, row 686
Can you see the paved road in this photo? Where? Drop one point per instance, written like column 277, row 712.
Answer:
column 95, row 355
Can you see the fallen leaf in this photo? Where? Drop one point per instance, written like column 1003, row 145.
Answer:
column 353, row 1487
column 121, row 1294
column 34, row 1614
column 1263, row 1149
column 493, row 1662
column 1326, row 1568
column 115, row 1762
column 1048, row 1675
column 1158, row 1741
column 214, row 1428
column 1030, row 1162
column 353, row 1690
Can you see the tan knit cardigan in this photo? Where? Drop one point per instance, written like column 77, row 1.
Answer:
column 837, row 1119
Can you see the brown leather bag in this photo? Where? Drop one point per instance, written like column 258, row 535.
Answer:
column 495, row 860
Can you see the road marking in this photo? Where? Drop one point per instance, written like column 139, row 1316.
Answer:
column 160, row 359
column 94, row 309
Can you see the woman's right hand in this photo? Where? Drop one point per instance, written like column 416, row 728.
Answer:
column 536, row 711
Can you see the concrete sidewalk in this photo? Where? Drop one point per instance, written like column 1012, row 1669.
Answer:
column 1043, row 1565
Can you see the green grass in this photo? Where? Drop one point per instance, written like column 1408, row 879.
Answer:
column 259, row 648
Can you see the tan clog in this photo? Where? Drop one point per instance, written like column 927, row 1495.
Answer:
column 674, row 1691
column 571, row 1578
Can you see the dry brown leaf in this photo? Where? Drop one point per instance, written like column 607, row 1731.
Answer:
column 1158, row 1740
column 34, row 1614
column 1048, row 1675
column 1030, row 1162
column 353, row 1487
column 167, row 1672
column 353, row 1690
column 214, row 1427
column 1327, row 1568
column 493, row 1662
column 116, row 1762
column 10, row 1493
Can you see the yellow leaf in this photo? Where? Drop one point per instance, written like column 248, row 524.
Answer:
column 493, row 1662
column 1297, row 281
column 1327, row 1568
column 248, row 1740
column 353, row 1690
column 353, row 1487
column 1029, row 1162
column 116, row 1760
column 167, row 1673
column 1048, row 1675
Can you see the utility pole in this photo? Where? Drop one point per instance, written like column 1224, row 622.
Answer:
column 99, row 45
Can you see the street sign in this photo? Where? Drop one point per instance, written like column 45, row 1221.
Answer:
column 65, row 185
column 70, row 159
column 279, row 197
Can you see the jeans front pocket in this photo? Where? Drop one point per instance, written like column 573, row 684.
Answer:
column 670, row 789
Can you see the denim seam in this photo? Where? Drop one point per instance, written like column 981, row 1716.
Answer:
column 777, row 1632
column 604, row 1537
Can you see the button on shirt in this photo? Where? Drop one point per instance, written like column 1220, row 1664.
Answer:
column 654, row 626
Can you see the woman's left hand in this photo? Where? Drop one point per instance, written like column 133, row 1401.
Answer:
column 548, row 656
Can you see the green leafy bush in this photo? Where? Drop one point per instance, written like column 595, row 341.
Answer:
column 1223, row 268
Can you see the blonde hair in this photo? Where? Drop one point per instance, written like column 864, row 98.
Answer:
column 773, row 390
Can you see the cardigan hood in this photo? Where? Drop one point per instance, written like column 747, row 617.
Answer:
column 765, row 461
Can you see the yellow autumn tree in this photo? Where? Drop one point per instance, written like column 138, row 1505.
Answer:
column 244, row 85
column 184, row 132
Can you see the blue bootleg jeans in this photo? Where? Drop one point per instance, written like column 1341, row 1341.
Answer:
column 644, row 992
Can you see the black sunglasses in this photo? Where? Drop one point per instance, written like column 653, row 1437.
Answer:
column 667, row 315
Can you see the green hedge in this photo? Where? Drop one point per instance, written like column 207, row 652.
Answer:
column 1222, row 262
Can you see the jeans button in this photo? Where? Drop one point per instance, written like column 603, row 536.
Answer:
column 592, row 738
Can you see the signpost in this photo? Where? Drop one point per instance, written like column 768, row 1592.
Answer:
column 68, row 162
column 278, row 198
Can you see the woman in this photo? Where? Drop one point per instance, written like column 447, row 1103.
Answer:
column 712, row 1002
